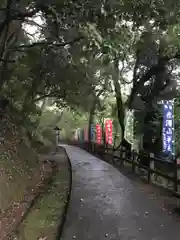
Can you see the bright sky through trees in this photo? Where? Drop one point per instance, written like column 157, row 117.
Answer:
column 33, row 27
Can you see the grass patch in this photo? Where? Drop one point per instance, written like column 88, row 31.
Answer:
column 43, row 220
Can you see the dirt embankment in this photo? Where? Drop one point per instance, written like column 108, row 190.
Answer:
column 18, row 162
column 20, row 173
column 33, row 191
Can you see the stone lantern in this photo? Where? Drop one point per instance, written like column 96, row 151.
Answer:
column 57, row 130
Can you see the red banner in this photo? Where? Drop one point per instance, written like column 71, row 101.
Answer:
column 86, row 134
column 108, row 130
column 98, row 134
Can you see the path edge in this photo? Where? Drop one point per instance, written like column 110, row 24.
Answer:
column 64, row 216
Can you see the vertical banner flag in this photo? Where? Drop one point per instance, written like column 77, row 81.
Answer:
column 168, row 127
column 108, row 130
column 98, row 134
column 86, row 133
column 93, row 132
column 76, row 134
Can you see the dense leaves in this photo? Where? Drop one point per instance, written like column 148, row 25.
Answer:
column 87, row 50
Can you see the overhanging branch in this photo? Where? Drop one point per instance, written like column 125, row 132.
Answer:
column 46, row 44
column 53, row 95
column 8, row 61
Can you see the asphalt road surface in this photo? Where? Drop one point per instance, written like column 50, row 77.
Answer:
column 106, row 205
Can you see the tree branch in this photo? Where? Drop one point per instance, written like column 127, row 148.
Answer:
column 54, row 94
column 8, row 61
column 46, row 44
column 23, row 15
column 32, row 23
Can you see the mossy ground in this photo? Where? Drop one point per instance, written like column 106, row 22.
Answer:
column 44, row 218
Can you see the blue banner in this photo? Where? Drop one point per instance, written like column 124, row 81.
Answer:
column 93, row 133
column 168, row 127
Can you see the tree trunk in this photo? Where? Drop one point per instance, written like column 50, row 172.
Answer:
column 30, row 96
column 40, row 115
column 119, row 101
column 92, row 111
column 43, row 105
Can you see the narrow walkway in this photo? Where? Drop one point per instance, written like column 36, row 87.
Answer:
column 106, row 205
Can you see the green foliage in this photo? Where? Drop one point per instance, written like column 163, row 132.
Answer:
column 87, row 51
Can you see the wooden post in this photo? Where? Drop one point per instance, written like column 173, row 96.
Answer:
column 103, row 151
column 151, row 166
column 175, row 174
column 57, row 139
column 133, row 161
column 123, row 155
column 120, row 154
column 93, row 150
column 57, row 131
column 112, row 159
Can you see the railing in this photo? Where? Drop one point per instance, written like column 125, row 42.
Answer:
column 154, row 166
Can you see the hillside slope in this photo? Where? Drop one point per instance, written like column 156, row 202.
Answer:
column 18, row 162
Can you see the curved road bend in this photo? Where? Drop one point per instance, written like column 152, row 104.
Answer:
column 105, row 205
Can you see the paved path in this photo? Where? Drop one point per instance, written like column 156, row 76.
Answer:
column 106, row 205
